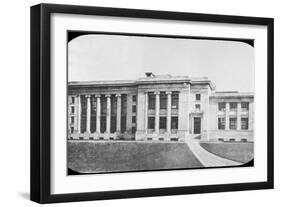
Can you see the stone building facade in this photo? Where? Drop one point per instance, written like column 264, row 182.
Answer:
column 158, row 107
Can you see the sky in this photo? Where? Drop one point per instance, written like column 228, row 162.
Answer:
column 229, row 64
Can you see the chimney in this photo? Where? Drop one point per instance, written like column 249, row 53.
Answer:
column 149, row 74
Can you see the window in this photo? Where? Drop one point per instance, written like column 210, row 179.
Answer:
column 221, row 123
column 232, row 123
column 123, row 123
column 134, row 108
column 163, row 122
column 72, row 109
column 222, row 106
column 151, row 122
column 123, row 104
column 233, row 106
column 245, row 106
column 113, row 124
column 175, row 100
column 151, row 101
column 244, row 123
column 102, row 124
column 197, row 106
column 174, row 122
column 163, row 100
column 198, row 97
column 71, row 130
column 133, row 119
column 73, row 100
column 134, row 98
column 133, row 130
column 72, row 120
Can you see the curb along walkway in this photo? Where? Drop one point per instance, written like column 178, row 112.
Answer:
column 206, row 158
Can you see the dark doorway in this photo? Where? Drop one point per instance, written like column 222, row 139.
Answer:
column 197, row 125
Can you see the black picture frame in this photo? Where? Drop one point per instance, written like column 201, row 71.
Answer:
column 40, row 177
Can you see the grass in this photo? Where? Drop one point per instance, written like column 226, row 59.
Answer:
column 99, row 156
column 240, row 152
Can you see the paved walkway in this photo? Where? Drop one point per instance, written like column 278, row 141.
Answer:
column 206, row 158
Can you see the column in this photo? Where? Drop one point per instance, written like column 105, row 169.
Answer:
column 145, row 112
column 88, row 126
column 239, row 116
column 108, row 113
column 118, row 121
column 169, row 105
column 98, row 114
column 79, row 114
column 157, row 111
column 227, row 116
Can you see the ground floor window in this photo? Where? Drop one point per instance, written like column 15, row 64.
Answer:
column 123, row 123
column 102, row 124
column 71, row 130
column 151, row 122
column 174, row 122
column 221, row 123
column 244, row 123
column 163, row 122
column 93, row 123
column 112, row 124
column 232, row 123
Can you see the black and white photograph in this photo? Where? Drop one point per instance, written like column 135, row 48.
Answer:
column 146, row 102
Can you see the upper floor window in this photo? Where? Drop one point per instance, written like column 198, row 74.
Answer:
column 222, row 106
column 134, row 108
column 151, row 101
column 232, row 123
column 198, row 97
column 221, row 123
column 134, row 98
column 151, row 122
column 245, row 106
column 72, row 109
column 197, row 106
column 175, row 100
column 133, row 119
column 244, row 123
column 233, row 106
column 163, row 100
column 73, row 100
column 72, row 120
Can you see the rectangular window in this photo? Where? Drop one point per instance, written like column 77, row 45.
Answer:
column 72, row 109
column 72, row 120
column 232, row 123
column 151, row 122
column 222, row 106
column 197, row 106
column 133, row 119
column 102, row 124
column 174, row 122
column 245, row 106
column 112, row 124
column 71, row 130
column 198, row 97
column 244, row 123
column 133, row 130
column 134, row 108
column 134, row 98
column 151, row 101
column 123, row 124
column 163, row 100
column 124, row 104
column 163, row 122
column 221, row 123
column 233, row 106
column 175, row 100
column 73, row 100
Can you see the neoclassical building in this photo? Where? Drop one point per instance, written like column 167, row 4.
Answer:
column 158, row 107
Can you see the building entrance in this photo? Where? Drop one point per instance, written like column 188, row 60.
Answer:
column 197, row 125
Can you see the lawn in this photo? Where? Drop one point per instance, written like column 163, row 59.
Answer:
column 107, row 156
column 236, row 151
